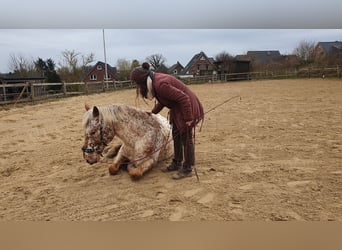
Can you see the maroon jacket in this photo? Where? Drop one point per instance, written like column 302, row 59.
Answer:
column 183, row 103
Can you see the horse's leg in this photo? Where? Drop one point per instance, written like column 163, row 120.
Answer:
column 118, row 160
column 140, row 169
column 112, row 151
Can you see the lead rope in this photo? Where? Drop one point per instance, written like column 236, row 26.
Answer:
column 194, row 126
column 195, row 169
column 187, row 145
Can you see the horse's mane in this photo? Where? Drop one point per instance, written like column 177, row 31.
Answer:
column 111, row 114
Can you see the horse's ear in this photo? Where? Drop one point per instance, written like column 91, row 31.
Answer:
column 96, row 112
column 87, row 106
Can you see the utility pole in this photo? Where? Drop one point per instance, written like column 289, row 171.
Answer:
column 105, row 57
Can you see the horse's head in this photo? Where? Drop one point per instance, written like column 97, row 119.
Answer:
column 97, row 136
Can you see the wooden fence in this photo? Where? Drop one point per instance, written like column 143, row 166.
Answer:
column 29, row 92
column 318, row 72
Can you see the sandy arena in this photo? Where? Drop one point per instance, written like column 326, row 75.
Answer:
column 274, row 155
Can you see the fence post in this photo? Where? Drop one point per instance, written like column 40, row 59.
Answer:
column 338, row 71
column 86, row 88
column 32, row 90
column 4, row 91
column 64, row 88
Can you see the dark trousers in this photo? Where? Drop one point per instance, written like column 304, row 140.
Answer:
column 183, row 147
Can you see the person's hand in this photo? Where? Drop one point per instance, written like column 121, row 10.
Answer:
column 188, row 123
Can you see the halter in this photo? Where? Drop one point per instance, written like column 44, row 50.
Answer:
column 90, row 150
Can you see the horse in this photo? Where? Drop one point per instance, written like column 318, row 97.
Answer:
column 146, row 138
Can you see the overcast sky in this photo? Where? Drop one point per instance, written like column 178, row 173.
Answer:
column 178, row 29
column 174, row 44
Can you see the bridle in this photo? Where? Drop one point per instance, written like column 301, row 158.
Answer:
column 95, row 149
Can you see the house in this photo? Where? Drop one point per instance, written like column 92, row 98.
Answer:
column 237, row 69
column 328, row 50
column 98, row 71
column 265, row 59
column 176, row 69
column 233, row 65
column 162, row 69
column 200, row 64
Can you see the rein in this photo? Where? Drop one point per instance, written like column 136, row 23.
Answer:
column 96, row 148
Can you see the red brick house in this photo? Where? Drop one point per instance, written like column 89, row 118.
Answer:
column 97, row 73
column 176, row 69
column 200, row 64
column 328, row 52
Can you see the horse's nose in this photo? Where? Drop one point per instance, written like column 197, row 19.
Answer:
column 90, row 162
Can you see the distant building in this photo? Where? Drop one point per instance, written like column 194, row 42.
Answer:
column 162, row 69
column 264, row 57
column 97, row 73
column 176, row 69
column 328, row 52
column 200, row 64
column 269, row 60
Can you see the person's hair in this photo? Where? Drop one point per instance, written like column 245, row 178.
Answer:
column 139, row 76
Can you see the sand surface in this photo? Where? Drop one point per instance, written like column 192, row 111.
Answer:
column 274, row 155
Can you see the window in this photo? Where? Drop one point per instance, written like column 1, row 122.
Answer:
column 108, row 77
column 198, row 67
column 93, row 77
column 175, row 72
column 99, row 67
column 207, row 67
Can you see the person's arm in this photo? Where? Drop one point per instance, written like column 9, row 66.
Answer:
column 171, row 93
column 157, row 108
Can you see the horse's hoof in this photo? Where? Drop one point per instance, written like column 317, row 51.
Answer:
column 136, row 177
column 113, row 171
column 135, row 173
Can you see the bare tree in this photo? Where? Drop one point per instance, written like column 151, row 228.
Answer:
column 21, row 65
column 305, row 51
column 156, row 60
column 74, row 65
column 135, row 63
column 223, row 62
column 124, row 68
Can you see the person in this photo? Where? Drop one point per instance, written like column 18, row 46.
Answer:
column 185, row 112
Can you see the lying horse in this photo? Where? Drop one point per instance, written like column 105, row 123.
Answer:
column 146, row 138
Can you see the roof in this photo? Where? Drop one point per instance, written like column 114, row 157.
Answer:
column 9, row 78
column 194, row 59
column 162, row 68
column 173, row 67
column 327, row 46
column 111, row 70
column 264, row 55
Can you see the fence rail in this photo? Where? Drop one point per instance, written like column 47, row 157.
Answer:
column 30, row 91
column 317, row 72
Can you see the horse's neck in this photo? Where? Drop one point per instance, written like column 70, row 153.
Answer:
column 120, row 125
